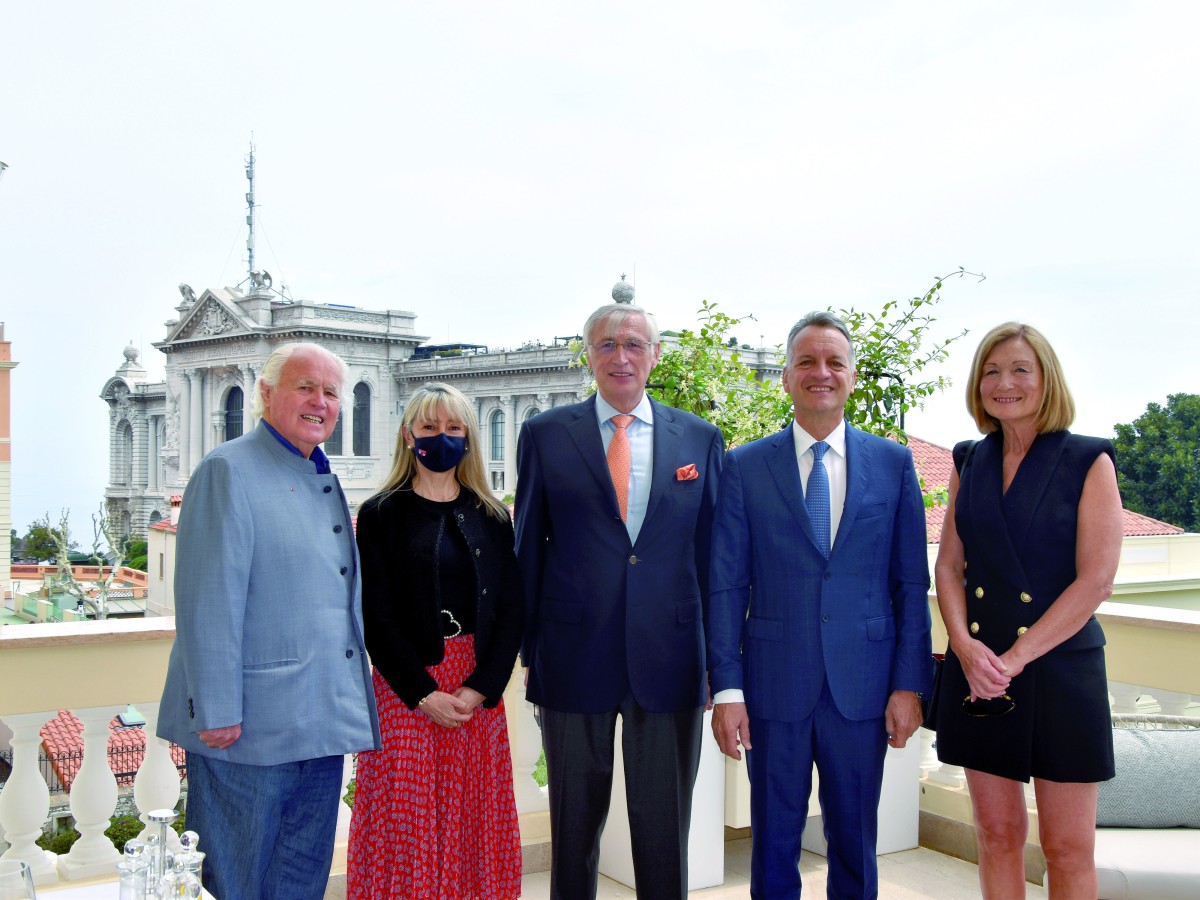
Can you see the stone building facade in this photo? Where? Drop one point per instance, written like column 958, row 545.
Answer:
column 215, row 350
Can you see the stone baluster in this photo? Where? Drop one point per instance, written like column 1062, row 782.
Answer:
column 1124, row 696
column 156, row 785
column 25, row 800
column 526, row 740
column 1172, row 703
column 953, row 776
column 93, row 799
column 929, row 760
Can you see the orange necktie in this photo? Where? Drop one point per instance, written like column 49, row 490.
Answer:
column 619, row 459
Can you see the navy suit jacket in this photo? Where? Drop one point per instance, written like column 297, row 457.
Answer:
column 782, row 618
column 605, row 616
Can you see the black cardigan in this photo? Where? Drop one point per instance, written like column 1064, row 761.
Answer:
column 397, row 541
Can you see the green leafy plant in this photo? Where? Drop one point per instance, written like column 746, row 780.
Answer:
column 1158, row 461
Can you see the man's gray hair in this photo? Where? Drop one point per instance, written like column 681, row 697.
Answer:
column 823, row 319
column 616, row 313
column 272, row 368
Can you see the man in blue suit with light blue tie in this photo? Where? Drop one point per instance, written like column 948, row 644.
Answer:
column 614, row 509
column 818, row 623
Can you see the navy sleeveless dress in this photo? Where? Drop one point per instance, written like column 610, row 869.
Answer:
column 1019, row 548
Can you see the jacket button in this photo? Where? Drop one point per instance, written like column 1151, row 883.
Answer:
column 974, row 628
column 828, row 575
column 337, row 529
column 484, row 593
column 461, row 517
column 328, row 488
column 979, row 592
column 825, row 617
column 633, row 560
column 1025, row 598
column 349, row 654
column 344, row 570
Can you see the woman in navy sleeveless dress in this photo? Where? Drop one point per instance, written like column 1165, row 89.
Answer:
column 1029, row 550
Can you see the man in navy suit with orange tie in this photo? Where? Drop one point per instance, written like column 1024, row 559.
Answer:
column 615, row 499
column 818, row 629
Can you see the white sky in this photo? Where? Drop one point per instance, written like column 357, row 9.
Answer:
column 494, row 167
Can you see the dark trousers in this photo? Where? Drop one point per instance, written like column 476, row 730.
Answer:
column 849, row 758
column 267, row 830
column 661, row 752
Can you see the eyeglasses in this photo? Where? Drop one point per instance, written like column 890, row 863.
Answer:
column 633, row 348
column 989, row 707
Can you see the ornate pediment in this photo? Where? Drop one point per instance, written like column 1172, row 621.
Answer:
column 209, row 317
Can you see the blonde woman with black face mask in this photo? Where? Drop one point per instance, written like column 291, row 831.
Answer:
column 434, row 814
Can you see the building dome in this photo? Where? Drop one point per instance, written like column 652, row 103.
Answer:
column 622, row 291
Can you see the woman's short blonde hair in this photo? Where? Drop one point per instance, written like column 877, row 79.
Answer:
column 1057, row 410
column 425, row 404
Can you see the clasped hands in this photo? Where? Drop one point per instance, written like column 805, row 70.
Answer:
column 452, row 710
column 987, row 674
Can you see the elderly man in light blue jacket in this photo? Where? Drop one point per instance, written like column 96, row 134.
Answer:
column 269, row 684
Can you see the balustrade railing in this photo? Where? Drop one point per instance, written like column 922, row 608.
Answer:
column 94, row 669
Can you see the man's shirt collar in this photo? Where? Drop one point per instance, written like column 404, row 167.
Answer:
column 836, row 439
column 643, row 411
column 317, row 457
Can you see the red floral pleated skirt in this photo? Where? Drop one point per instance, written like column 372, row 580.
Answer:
column 434, row 815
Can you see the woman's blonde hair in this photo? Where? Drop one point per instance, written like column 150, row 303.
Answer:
column 425, row 404
column 1057, row 410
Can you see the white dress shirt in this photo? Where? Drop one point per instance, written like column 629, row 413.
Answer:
column 641, row 451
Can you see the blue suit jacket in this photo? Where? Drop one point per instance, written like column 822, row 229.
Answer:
column 782, row 618
column 268, row 612
column 604, row 616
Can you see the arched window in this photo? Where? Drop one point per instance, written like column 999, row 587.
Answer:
column 362, row 420
column 233, row 413
column 498, row 435
column 155, row 517
column 531, row 412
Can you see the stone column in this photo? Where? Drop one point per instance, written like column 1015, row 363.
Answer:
column 184, row 420
column 152, row 453
column 249, row 388
column 347, row 414
column 196, row 416
column 510, row 444
column 141, row 462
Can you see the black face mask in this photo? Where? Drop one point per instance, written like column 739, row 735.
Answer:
column 439, row 452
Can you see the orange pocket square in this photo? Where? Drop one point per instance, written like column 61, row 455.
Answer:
column 687, row 473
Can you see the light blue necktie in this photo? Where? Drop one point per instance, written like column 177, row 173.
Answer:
column 816, row 498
